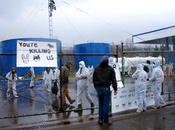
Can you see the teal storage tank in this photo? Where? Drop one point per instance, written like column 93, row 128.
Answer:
column 92, row 48
column 8, row 55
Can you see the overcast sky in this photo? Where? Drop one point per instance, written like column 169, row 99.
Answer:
column 78, row 21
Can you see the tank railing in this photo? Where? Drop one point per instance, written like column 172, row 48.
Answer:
column 164, row 51
column 88, row 54
column 7, row 53
column 74, row 54
column 101, row 54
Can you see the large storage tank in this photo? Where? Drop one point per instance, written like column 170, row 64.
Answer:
column 91, row 48
column 8, row 55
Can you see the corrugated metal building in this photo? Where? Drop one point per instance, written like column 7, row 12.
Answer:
column 163, row 36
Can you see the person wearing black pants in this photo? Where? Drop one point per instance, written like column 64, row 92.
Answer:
column 103, row 77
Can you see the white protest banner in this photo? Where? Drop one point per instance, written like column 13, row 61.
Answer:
column 36, row 54
column 126, row 99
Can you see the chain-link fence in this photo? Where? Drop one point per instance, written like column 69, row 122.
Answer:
column 43, row 105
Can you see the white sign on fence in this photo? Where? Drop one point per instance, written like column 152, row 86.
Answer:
column 115, row 65
column 36, row 54
column 126, row 99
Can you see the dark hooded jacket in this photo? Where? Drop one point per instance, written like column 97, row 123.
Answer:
column 104, row 75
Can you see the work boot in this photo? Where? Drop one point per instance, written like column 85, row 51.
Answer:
column 107, row 123
column 31, row 87
column 8, row 95
column 100, row 122
column 144, row 109
column 92, row 105
column 109, row 114
column 139, row 110
column 79, row 108
column 65, row 106
column 72, row 101
column 16, row 96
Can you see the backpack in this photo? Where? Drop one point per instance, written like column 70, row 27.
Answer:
column 55, row 88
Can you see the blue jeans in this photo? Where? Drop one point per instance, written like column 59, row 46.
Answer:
column 104, row 95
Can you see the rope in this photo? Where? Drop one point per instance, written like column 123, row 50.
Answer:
column 22, row 21
column 69, row 21
column 99, row 19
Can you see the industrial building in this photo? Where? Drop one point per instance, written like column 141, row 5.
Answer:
column 163, row 37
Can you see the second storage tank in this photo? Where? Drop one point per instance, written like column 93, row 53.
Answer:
column 92, row 48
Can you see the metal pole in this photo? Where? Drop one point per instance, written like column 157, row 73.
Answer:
column 61, row 102
column 50, row 19
column 162, row 92
column 116, row 53
column 51, row 7
column 122, row 55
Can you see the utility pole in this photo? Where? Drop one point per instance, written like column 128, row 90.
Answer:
column 51, row 8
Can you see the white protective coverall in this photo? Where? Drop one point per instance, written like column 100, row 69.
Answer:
column 82, row 77
column 11, row 83
column 56, row 75
column 32, row 84
column 157, row 79
column 140, row 77
column 47, row 77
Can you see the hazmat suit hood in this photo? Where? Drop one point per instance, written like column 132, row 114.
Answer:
column 82, row 64
column 104, row 62
column 47, row 69
column 139, row 67
column 13, row 70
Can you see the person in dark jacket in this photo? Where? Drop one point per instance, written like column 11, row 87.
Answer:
column 103, row 77
column 64, row 84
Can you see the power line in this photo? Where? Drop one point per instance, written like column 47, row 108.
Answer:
column 69, row 21
column 99, row 19
column 80, row 10
column 22, row 21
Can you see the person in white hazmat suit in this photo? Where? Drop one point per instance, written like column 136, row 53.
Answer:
column 12, row 78
column 140, row 77
column 32, row 76
column 157, row 79
column 82, row 76
column 56, row 76
column 47, row 77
